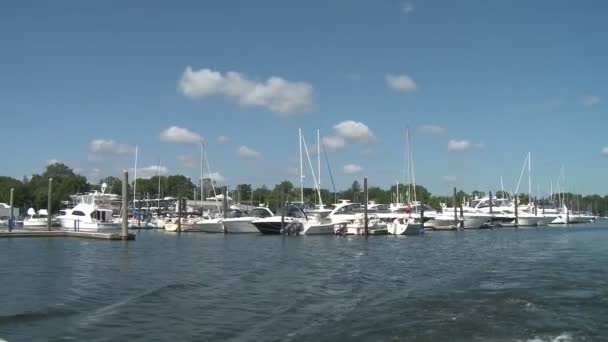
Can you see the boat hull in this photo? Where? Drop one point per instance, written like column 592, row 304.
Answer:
column 240, row 227
column 276, row 227
column 404, row 229
column 77, row 225
column 214, row 227
column 319, row 229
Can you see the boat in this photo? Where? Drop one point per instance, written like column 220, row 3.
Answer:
column 38, row 219
column 242, row 223
column 209, row 224
column 404, row 226
column 291, row 223
column 92, row 214
column 295, row 222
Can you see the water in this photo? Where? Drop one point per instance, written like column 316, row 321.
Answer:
column 537, row 284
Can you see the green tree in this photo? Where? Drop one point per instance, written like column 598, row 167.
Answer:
column 20, row 192
column 65, row 183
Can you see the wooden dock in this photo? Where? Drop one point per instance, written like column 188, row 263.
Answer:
column 64, row 233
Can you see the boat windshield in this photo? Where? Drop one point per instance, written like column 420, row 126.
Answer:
column 349, row 209
column 235, row 213
column 260, row 212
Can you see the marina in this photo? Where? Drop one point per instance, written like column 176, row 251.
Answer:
column 323, row 171
column 501, row 285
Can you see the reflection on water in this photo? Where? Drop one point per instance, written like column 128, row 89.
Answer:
column 538, row 284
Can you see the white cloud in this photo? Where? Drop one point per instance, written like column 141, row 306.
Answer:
column 431, row 129
column 462, row 145
column 458, row 145
column 216, row 177
column 180, row 135
column 352, row 168
column 222, row 139
column 449, row 179
column 590, row 101
column 109, row 147
column 53, row 161
column 247, row 152
column 408, row 7
column 276, row 94
column 346, row 132
column 333, row 143
column 354, row 131
column 402, row 83
column 188, row 161
column 147, row 172
column 78, row 170
column 604, row 151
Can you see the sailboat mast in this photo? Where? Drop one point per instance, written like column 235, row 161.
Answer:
column 158, row 174
column 319, row 163
column 529, row 177
column 202, row 192
column 409, row 147
column 135, row 177
column 502, row 188
column 301, row 169
column 408, row 172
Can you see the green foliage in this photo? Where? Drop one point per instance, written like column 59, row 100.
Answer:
column 65, row 183
column 20, row 191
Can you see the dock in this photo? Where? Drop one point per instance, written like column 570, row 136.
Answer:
column 64, row 233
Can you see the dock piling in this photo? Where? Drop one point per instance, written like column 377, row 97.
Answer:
column 461, row 216
column 225, row 201
column 11, row 221
column 179, row 213
column 125, row 205
column 516, row 213
column 365, row 195
column 283, row 209
column 421, row 217
column 49, row 208
column 455, row 209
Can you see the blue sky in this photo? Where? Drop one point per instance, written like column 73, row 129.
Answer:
column 84, row 82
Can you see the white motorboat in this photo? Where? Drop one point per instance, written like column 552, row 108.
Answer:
column 209, row 225
column 404, row 226
column 92, row 214
column 38, row 219
column 241, row 223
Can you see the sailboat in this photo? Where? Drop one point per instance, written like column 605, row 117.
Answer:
column 211, row 223
column 407, row 225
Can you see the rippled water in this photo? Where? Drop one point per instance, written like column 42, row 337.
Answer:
column 537, row 284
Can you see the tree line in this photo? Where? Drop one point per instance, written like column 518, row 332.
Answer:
column 33, row 192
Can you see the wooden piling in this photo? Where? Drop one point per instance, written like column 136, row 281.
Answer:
column 49, row 208
column 11, row 222
column 225, row 201
column 491, row 205
column 283, row 209
column 516, row 212
column 138, row 211
column 455, row 209
column 421, row 217
column 461, row 216
column 179, row 213
column 125, row 205
column 365, row 195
